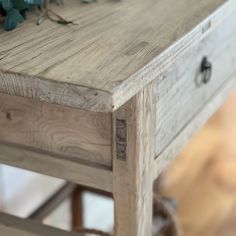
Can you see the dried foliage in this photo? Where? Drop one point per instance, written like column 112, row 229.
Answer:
column 13, row 12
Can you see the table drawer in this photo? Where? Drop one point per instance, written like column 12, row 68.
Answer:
column 181, row 93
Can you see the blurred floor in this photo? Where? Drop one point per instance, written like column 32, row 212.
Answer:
column 203, row 178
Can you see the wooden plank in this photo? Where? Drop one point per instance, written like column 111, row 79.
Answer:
column 133, row 160
column 75, row 133
column 14, row 226
column 172, row 151
column 54, row 201
column 57, row 166
column 159, row 65
column 111, row 52
column 56, row 93
column 181, row 93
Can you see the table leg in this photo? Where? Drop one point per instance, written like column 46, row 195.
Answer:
column 77, row 208
column 133, row 157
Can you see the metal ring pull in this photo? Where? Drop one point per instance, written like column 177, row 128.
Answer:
column 206, row 69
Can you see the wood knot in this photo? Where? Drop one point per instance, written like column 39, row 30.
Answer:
column 8, row 116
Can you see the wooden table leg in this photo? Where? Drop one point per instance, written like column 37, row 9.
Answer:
column 77, row 208
column 133, row 157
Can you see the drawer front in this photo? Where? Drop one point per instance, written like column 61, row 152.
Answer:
column 181, row 93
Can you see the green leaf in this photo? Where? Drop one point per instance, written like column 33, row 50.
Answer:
column 34, row 2
column 13, row 18
column 9, row 24
column 7, row 4
column 88, row 1
column 20, row 4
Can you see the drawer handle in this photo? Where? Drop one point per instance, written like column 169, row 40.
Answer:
column 206, row 69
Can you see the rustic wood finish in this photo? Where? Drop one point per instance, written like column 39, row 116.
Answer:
column 171, row 152
column 109, row 101
column 12, row 226
column 75, row 133
column 181, row 92
column 112, row 52
column 132, row 176
column 57, row 166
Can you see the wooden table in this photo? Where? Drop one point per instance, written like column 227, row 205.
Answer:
column 109, row 101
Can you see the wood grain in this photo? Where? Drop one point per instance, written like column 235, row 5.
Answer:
column 181, row 94
column 132, row 175
column 83, row 135
column 57, row 166
column 54, row 92
column 112, row 52
column 14, row 226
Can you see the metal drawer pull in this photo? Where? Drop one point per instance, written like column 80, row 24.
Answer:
column 206, row 69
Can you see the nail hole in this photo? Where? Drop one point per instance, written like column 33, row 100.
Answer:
column 8, row 116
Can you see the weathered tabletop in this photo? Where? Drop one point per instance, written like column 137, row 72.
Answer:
column 129, row 69
column 113, row 50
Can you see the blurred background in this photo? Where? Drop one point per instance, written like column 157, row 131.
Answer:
column 203, row 178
